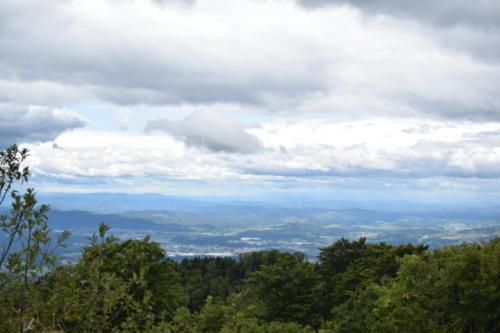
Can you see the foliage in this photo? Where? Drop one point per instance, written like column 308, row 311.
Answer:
column 349, row 267
column 215, row 277
column 28, row 248
column 456, row 289
column 288, row 291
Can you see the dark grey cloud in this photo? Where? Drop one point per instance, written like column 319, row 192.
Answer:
column 483, row 44
column 35, row 124
column 134, row 64
column 209, row 130
column 480, row 13
column 475, row 110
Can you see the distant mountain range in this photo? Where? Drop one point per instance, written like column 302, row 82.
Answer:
column 221, row 226
column 119, row 202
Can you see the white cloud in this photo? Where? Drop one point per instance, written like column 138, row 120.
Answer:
column 379, row 148
column 321, row 152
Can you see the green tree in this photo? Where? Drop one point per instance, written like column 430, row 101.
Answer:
column 288, row 291
column 216, row 277
column 28, row 250
column 456, row 289
column 348, row 267
column 253, row 326
column 212, row 316
column 152, row 285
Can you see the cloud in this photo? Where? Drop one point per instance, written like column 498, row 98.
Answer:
column 334, row 61
column 141, row 52
column 35, row 123
column 319, row 151
column 482, row 14
column 471, row 27
column 210, row 130
column 395, row 148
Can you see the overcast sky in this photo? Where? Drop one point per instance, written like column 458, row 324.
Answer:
column 379, row 99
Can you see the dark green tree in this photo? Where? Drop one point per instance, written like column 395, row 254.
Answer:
column 456, row 289
column 288, row 291
column 348, row 267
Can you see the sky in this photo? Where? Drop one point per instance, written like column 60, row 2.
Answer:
column 341, row 99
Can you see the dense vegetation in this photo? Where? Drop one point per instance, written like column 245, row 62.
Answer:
column 131, row 286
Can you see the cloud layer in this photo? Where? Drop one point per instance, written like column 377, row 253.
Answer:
column 470, row 27
column 381, row 153
column 337, row 60
column 483, row 13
